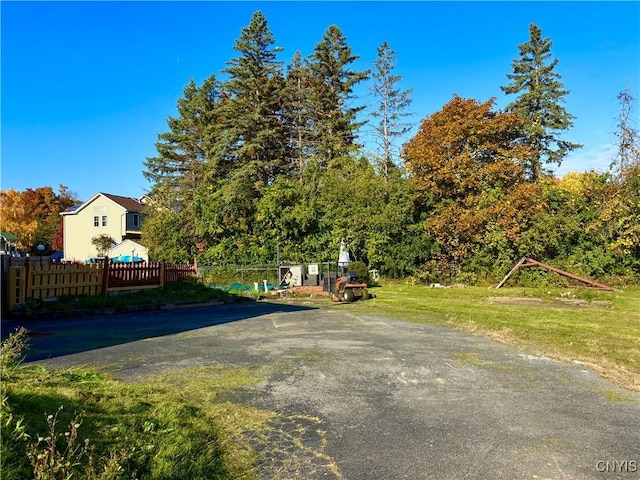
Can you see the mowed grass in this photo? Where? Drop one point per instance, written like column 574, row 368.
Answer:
column 599, row 329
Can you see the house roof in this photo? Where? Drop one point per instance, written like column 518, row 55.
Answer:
column 135, row 242
column 128, row 203
column 9, row 237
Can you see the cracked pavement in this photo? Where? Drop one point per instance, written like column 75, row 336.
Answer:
column 368, row 397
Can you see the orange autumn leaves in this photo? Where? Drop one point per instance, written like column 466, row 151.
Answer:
column 469, row 167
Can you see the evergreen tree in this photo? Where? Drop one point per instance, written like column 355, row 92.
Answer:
column 184, row 166
column 391, row 107
column 540, row 94
column 251, row 144
column 183, row 151
column 334, row 120
column 253, row 113
column 299, row 117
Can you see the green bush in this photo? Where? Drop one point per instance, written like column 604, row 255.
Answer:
column 361, row 269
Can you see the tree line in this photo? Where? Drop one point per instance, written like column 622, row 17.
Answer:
column 265, row 163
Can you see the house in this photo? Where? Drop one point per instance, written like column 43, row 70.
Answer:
column 118, row 217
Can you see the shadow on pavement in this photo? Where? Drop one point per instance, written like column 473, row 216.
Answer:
column 57, row 337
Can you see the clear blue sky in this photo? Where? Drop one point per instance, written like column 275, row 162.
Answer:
column 88, row 86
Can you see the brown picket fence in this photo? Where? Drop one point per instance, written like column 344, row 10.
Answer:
column 34, row 281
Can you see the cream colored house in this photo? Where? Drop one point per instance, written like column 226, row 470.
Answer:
column 113, row 215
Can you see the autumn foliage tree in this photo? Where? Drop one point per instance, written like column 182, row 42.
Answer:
column 33, row 215
column 467, row 162
column 17, row 219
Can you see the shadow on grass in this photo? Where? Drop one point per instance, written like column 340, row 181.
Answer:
column 141, row 415
column 57, row 337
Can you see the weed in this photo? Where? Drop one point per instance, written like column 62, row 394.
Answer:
column 14, row 440
column 50, row 460
column 11, row 351
column 136, row 432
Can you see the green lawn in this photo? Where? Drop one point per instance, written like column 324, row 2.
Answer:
column 600, row 329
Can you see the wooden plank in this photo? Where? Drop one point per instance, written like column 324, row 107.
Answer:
column 133, row 288
column 518, row 265
column 15, row 284
column 601, row 286
column 530, row 262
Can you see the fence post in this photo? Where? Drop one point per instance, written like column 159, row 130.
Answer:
column 27, row 281
column 162, row 273
column 105, row 275
column 13, row 283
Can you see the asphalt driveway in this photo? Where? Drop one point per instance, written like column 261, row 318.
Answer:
column 368, row 397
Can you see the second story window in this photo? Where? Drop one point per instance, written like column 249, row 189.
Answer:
column 136, row 220
column 99, row 216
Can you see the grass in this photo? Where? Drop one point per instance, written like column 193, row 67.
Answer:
column 167, row 428
column 599, row 329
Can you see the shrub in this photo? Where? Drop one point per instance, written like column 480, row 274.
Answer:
column 361, row 269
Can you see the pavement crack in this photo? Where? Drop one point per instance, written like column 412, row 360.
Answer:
column 293, row 446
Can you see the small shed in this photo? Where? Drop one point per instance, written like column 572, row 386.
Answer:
column 9, row 244
column 129, row 249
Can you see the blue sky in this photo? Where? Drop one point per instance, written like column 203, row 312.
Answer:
column 88, row 86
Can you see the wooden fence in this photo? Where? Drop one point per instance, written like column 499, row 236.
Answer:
column 32, row 281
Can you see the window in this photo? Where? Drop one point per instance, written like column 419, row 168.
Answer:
column 136, row 220
column 99, row 215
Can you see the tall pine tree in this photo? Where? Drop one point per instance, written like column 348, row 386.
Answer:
column 335, row 121
column 539, row 102
column 182, row 168
column 299, row 116
column 253, row 113
column 250, row 142
column 183, row 151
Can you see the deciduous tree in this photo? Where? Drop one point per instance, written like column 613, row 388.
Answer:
column 17, row 218
column 102, row 243
column 627, row 159
column 33, row 215
column 465, row 161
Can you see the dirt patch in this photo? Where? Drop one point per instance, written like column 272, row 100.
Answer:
column 538, row 302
